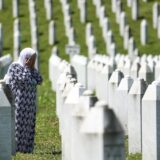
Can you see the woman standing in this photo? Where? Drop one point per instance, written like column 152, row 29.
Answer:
column 23, row 80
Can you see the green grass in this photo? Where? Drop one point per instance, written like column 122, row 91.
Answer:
column 47, row 137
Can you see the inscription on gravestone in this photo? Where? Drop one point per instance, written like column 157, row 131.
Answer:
column 72, row 49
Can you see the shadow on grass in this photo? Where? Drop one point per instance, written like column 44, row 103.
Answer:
column 6, row 48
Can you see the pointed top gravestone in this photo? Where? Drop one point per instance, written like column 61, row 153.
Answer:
column 150, row 122
column 5, row 126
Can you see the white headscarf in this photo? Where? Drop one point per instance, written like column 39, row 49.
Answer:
column 25, row 53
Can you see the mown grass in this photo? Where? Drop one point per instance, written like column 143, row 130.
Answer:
column 47, row 139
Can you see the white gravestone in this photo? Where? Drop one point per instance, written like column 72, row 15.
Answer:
column 123, row 23
column 10, row 98
column 91, row 46
column 79, row 112
column 79, row 62
column 117, row 58
column 33, row 21
column 152, row 64
column 135, row 116
column 102, row 15
column 113, row 50
column 71, row 37
column 68, row 25
column 15, row 4
column 69, row 84
column 17, row 39
column 68, row 87
column 114, row 2
column 118, row 10
column 63, row 77
column 52, row 33
column 49, row 11
column 70, row 103
column 104, row 82
column 1, row 40
column 155, row 14
column 144, row 58
column 144, row 32
column 5, row 62
column 158, row 27
column 127, row 35
column 54, row 61
column 150, row 122
column 135, row 70
column 129, row 3
column 98, row 5
column 127, row 67
column 45, row 4
column 1, row 4
column 131, row 48
column 98, row 69
column 106, row 27
column 110, row 40
column 136, row 53
column 112, row 63
column 146, row 73
column 114, row 81
column 122, row 102
column 157, row 69
column 83, row 11
column 5, row 127
column 121, row 64
column 35, row 44
column 89, row 32
column 91, row 75
column 61, row 82
column 104, row 137
column 135, row 9
column 64, row 67
column 66, row 10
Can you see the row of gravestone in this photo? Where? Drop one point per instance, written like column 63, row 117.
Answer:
column 17, row 29
column 88, row 128
column 104, row 22
column 33, row 26
column 128, row 91
column 129, row 42
column 69, row 29
column 121, row 19
column 7, row 120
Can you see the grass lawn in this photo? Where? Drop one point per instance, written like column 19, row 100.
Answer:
column 47, row 138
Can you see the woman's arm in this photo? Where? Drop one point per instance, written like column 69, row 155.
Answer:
column 36, row 75
column 20, row 74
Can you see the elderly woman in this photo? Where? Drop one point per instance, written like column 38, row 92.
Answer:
column 23, row 79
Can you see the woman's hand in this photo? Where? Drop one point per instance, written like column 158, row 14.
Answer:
column 30, row 62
